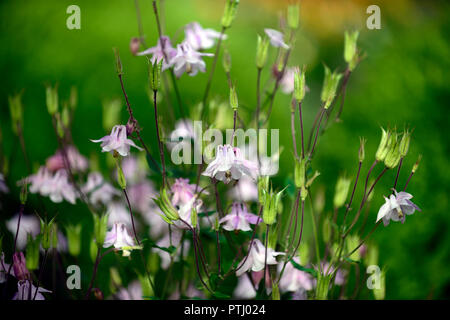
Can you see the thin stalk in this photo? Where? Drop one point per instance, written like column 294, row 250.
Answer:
column 91, row 283
column 160, row 145
column 41, row 271
column 398, row 173
column 301, row 128
column 317, row 133
column 353, row 194
column 294, row 141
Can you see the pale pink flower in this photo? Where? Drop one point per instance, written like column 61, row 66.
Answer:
column 117, row 141
column 287, row 81
column 29, row 224
column 276, row 38
column 157, row 52
column 188, row 60
column 58, row 188
column 182, row 191
column 200, row 38
column 185, row 211
column 75, row 160
column 23, row 291
column 182, row 135
column 100, row 192
column 141, row 195
column 117, row 213
column 230, row 164
column 397, row 206
column 244, row 289
column 294, row 279
column 133, row 170
column 256, row 258
column 119, row 237
column 239, row 218
column 245, row 190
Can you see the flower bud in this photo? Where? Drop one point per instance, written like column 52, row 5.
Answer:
column 59, row 125
column 404, row 143
column 164, row 203
column 330, row 85
column 393, row 156
column 350, row 50
column 121, row 177
column 361, row 151
column 416, row 165
column 299, row 84
column 275, row 291
column 229, row 13
column 46, row 233
column 263, row 185
column 16, row 110
column 262, row 49
column 383, row 147
column 226, row 61
column 271, row 204
column 234, row 103
column 93, row 249
column 155, row 74
column 326, row 230
column 194, row 217
column 74, row 239
column 32, row 262
column 100, row 227
column 303, row 193
column 65, row 116
column 380, row 292
column 119, row 68
column 20, row 266
column 54, row 235
column 352, row 241
column 341, row 191
column 134, row 45
column 52, row 99
column 293, row 13
column 300, row 173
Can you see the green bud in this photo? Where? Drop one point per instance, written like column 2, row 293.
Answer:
column 121, row 177
column 326, row 230
column 46, row 233
column 393, row 156
column 229, row 13
column 119, row 68
column 262, row 49
column 350, row 49
column 226, row 61
column 74, row 239
column 32, row 252
column 73, row 98
column 65, row 116
column 93, row 250
column 270, row 210
column 100, row 227
column 330, row 84
column 275, row 291
column 300, row 173
column 154, row 71
column 52, row 99
column 303, row 253
column 361, row 151
column 351, row 242
column 303, row 193
column 341, row 191
column 111, row 113
column 404, row 143
column 383, row 147
column 234, row 103
column 380, row 293
column 24, row 192
column 299, row 84
column 16, row 110
column 416, row 165
column 194, row 217
column 164, row 203
column 263, row 185
column 372, row 255
column 293, row 14
column 59, row 125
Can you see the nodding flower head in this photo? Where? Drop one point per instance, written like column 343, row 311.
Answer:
column 120, row 239
column 256, row 258
column 397, row 206
column 20, row 268
column 239, row 218
column 117, row 141
column 182, row 191
column 188, row 60
column 159, row 54
column 230, row 164
column 276, row 38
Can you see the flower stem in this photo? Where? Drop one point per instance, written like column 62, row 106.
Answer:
column 41, row 271
column 160, row 145
column 301, row 128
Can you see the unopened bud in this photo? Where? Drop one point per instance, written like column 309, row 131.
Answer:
column 155, row 74
column 74, row 239
column 341, row 191
column 293, row 13
column 300, row 173
column 361, row 151
column 46, row 233
column 52, row 99
column 20, row 266
column 163, row 202
column 134, row 45
column 229, row 13
column 299, row 84
column 100, row 227
column 350, row 49
column 262, row 49
column 234, row 103
column 121, row 177
column 404, row 143
column 393, row 156
column 226, row 61
column 119, row 68
column 263, row 185
column 416, row 165
column 330, row 85
column 383, row 147
column 32, row 262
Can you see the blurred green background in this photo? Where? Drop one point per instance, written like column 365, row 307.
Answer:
column 402, row 82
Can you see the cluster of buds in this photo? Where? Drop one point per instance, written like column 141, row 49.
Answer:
column 330, row 85
column 392, row 148
column 164, row 203
column 271, row 202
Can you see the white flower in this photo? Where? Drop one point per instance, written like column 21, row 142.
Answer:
column 230, row 164
column 396, row 206
column 276, row 38
column 100, row 192
column 117, row 213
column 29, row 224
column 58, row 188
column 117, row 141
column 158, row 53
column 256, row 258
column 182, row 191
column 244, row 288
column 245, row 190
column 294, row 280
column 200, row 38
column 239, row 218
column 23, row 291
column 171, row 239
column 188, row 60
column 287, row 81
column 120, row 239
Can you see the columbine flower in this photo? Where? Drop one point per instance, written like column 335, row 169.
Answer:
column 256, row 257
column 23, row 291
column 182, row 135
column 287, row 81
column 200, row 38
column 58, row 188
column 120, row 239
column 244, row 288
column 230, row 164
column 141, row 195
column 117, row 213
column 117, row 141
column 76, row 161
column 20, row 266
column 100, row 191
column 28, row 225
column 276, row 38
column 239, row 218
column 188, row 60
column 158, row 53
column 294, row 280
column 182, row 191
column 245, row 190
column 185, row 211
column 396, row 207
